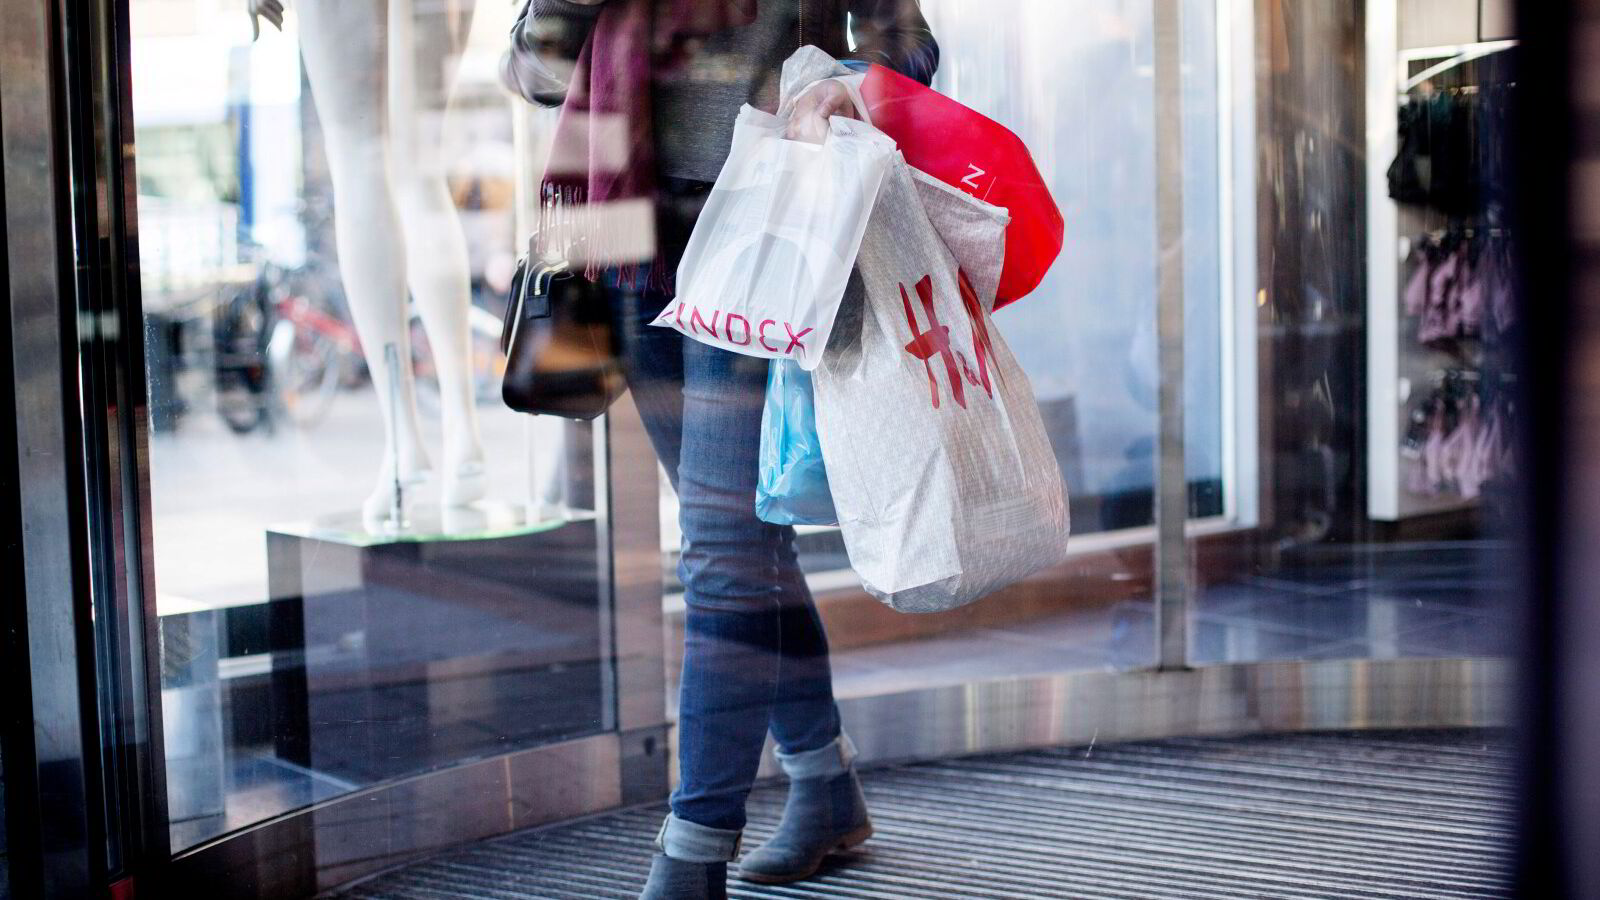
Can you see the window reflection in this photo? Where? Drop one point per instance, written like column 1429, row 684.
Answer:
column 326, row 217
column 1387, row 315
column 333, row 617
column 1074, row 81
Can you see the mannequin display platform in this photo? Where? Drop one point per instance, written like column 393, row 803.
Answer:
column 384, row 666
column 381, row 73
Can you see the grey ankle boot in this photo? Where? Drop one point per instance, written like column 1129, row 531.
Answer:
column 826, row 811
column 693, row 862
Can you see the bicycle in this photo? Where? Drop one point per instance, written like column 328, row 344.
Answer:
column 283, row 349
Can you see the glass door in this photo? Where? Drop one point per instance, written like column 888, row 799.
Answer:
column 1073, row 81
column 1390, row 327
column 328, row 603
column 365, row 567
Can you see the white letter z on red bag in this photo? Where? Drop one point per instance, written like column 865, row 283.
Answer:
column 772, row 250
column 942, row 474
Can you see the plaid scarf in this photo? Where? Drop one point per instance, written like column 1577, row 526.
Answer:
column 598, row 193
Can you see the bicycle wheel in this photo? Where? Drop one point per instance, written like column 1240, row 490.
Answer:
column 307, row 368
column 239, row 367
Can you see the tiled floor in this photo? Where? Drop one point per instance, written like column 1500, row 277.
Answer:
column 1090, row 638
column 1371, row 601
column 1380, row 601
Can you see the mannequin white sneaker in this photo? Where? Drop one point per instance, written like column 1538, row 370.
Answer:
column 414, row 473
column 465, row 481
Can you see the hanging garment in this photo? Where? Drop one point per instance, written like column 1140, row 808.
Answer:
column 1437, row 164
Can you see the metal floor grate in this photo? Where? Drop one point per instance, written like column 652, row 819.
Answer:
column 1387, row 814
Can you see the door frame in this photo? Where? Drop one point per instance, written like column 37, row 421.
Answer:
column 84, row 794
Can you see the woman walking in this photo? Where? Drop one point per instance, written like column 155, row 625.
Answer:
column 650, row 90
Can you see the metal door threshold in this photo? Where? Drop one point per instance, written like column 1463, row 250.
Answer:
column 1364, row 814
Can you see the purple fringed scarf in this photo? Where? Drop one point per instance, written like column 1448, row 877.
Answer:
column 598, row 193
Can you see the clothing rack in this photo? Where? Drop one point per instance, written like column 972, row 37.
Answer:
column 1439, row 234
column 1459, row 54
column 1416, row 389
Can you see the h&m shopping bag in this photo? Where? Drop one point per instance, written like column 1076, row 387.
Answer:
column 772, row 250
column 938, row 460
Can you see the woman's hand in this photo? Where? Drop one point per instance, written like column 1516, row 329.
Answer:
column 809, row 121
column 271, row 10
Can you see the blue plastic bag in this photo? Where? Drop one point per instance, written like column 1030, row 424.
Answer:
column 793, row 485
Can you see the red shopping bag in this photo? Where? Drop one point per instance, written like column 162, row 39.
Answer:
column 978, row 155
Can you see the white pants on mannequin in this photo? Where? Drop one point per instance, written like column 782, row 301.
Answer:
column 380, row 74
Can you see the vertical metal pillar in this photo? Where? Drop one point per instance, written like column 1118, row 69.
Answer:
column 1172, row 485
column 53, row 844
column 628, row 498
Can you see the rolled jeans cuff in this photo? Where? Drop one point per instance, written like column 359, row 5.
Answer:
column 833, row 758
column 692, row 842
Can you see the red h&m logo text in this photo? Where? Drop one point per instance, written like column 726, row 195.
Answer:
column 935, row 339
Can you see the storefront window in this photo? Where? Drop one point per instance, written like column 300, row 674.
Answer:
column 1076, row 85
column 367, row 567
column 1074, row 81
column 1388, row 318
column 352, row 581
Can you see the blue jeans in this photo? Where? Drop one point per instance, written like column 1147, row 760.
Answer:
column 755, row 655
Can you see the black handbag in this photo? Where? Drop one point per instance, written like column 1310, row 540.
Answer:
column 561, row 353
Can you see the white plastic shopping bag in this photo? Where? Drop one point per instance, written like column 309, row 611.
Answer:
column 941, row 471
column 772, row 250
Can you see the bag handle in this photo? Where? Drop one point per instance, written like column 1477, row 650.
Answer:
column 852, row 86
column 513, row 314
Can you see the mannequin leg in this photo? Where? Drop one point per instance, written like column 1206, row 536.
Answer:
column 423, row 49
column 344, row 45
